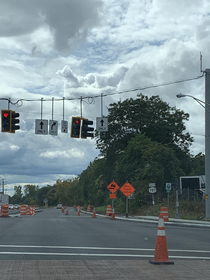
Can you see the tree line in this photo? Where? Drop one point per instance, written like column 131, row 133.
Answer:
column 146, row 142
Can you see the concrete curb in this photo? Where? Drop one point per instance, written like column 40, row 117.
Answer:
column 155, row 221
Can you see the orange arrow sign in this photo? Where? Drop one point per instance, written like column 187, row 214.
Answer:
column 113, row 187
column 127, row 189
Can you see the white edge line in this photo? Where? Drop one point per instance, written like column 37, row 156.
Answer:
column 99, row 248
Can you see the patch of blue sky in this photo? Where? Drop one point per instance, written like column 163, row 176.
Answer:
column 96, row 55
column 38, row 90
column 155, row 42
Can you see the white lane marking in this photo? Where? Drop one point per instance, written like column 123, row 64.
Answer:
column 99, row 255
column 99, row 248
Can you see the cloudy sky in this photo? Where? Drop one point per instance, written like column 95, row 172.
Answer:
column 82, row 48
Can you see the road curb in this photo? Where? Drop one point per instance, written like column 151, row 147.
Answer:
column 184, row 224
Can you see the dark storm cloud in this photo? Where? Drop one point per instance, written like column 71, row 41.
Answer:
column 68, row 20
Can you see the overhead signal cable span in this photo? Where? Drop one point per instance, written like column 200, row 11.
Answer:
column 19, row 102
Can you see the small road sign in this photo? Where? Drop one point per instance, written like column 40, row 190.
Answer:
column 152, row 190
column 113, row 187
column 127, row 189
column 64, row 126
column 102, row 124
column 53, row 127
column 168, row 187
column 41, row 126
column 112, row 196
column 151, row 185
column 45, row 200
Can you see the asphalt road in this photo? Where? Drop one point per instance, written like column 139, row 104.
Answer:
column 52, row 235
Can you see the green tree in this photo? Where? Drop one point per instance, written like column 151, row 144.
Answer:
column 65, row 191
column 198, row 165
column 92, row 182
column 47, row 192
column 145, row 161
column 150, row 116
column 30, row 194
column 17, row 197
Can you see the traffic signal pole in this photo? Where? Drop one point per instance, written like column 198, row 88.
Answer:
column 207, row 142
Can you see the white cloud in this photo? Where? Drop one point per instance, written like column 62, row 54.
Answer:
column 70, row 154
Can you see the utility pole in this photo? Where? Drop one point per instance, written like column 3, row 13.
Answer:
column 207, row 143
column 3, row 186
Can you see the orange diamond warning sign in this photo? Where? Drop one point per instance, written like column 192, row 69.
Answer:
column 127, row 189
column 113, row 187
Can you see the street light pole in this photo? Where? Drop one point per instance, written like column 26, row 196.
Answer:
column 207, row 143
column 207, row 136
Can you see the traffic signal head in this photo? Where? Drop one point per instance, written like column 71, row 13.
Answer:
column 85, row 129
column 5, row 120
column 14, row 121
column 75, row 127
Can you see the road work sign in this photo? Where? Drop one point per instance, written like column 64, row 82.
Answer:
column 113, row 187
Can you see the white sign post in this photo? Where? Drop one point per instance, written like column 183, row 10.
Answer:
column 102, row 124
column 41, row 126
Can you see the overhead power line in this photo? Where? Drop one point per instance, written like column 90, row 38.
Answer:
column 20, row 101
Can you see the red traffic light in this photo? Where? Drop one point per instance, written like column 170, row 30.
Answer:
column 75, row 127
column 5, row 114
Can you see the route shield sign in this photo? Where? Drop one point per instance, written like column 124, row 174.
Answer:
column 168, row 187
column 152, row 190
column 113, row 187
column 127, row 189
column 53, row 127
column 41, row 126
column 102, row 124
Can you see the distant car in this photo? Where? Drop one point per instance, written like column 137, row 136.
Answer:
column 11, row 206
column 59, row 206
column 16, row 206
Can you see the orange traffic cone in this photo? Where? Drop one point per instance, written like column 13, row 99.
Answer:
column 94, row 212
column 67, row 212
column 161, row 252
column 78, row 211
column 62, row 209
column 113, row 214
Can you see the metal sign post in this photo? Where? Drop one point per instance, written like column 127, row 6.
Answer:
column 177, row 216
column 126, row 207
column 168, row 189
column 127, row 189
column 152, row 190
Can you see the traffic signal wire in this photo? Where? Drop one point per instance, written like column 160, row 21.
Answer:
column 19, row 102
